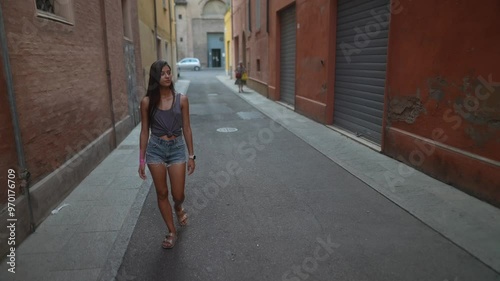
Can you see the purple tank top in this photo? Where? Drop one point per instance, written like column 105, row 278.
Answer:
column 168, row 122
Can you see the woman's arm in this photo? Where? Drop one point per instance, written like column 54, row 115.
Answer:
column 188, row 134
column 144, row 136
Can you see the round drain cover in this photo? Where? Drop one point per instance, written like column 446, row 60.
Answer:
column 227, row 130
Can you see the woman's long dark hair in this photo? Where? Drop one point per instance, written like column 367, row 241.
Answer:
column 154, row 87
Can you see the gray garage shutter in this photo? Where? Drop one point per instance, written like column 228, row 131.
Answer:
column 362, row 33
column 287, row 55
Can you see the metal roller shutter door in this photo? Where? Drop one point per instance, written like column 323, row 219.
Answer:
column 287, row 55
column 360, row 67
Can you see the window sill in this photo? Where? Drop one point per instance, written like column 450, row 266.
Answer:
column 54, row 17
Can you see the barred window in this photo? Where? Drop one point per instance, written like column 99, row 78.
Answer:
column 57, row 10
column 45, row 5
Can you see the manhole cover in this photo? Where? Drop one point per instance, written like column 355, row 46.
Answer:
column 227, row 130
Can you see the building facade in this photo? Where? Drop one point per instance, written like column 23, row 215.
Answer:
column 380, row 72
column 69, row 74
column 228, row 42
column 251, row 42
column 200, row 31
column 157, row 34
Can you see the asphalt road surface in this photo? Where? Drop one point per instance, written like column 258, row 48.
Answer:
column 264, row 205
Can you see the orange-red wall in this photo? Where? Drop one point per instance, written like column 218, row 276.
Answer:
column 313, row 30
column 313, row 72
column 440, row 55
column 255, row 46
column 258, row 43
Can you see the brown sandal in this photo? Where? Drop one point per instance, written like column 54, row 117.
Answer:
column 169, row 241
column 182, row 217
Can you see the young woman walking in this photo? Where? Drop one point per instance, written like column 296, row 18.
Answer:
column 166, row 114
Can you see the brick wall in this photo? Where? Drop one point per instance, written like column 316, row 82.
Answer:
column 117, row 65
column 7, row 145
column 134, row 17
column 59, row 73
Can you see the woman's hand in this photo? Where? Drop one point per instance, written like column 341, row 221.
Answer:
column 142, row 171
column 191, row 166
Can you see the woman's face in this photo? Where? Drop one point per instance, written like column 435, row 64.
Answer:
column 166, row 76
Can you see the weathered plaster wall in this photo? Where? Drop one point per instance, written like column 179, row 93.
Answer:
column 312, row 76
column 315, row 56
column 443, row 102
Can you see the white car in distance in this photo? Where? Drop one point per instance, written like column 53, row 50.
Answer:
column 189, row 64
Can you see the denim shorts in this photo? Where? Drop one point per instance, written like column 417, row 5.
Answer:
column 169, row 152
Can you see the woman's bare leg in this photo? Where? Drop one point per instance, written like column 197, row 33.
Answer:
column 177, row 174
column 159, row 174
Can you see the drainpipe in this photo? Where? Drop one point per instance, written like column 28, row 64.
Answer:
column 108, row 71
column 176, row 53
column 24, row 174
column 172, row 21
column 156, row 31
column 232, row 62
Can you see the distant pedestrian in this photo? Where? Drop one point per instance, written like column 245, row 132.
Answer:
column 166, row 113
column 239, row 72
